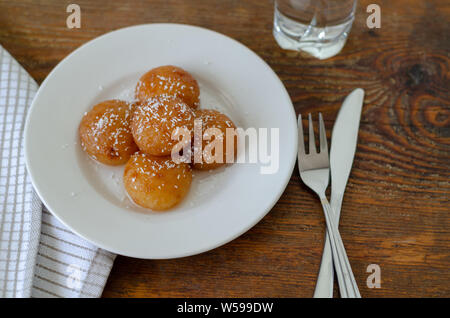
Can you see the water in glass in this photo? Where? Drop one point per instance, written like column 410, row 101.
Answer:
column 319, row 27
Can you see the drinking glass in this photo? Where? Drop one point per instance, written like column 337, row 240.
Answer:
column 319, row 27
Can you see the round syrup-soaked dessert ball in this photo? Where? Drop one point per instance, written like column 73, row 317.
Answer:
column 105, row 132
column 169, row 80
column 156, row 183
column 213, row 119
column 155, row 120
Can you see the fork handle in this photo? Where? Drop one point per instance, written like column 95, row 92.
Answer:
column 347, row 282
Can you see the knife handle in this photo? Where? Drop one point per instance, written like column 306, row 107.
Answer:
column 325, row 280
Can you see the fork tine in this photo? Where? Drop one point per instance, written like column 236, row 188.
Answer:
column 323, row 135
column 312, row 142
column 301, row 141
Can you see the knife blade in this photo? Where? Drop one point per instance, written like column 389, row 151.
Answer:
column 343, row 147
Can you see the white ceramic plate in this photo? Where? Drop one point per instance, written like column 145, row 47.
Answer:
column 89, row 198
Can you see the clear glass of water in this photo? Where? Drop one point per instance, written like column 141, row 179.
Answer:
column 319, row 27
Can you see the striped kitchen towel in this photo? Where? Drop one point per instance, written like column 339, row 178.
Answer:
column 39, row 256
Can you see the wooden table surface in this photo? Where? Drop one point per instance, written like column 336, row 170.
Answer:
column 396, row 207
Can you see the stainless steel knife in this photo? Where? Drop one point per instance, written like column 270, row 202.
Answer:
column 343, row 147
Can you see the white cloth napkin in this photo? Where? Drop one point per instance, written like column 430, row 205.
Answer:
column 39, row 257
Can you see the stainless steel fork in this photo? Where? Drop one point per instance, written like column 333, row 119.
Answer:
column 315, row 171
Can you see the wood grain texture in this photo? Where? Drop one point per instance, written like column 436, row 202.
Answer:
column 396, row 207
